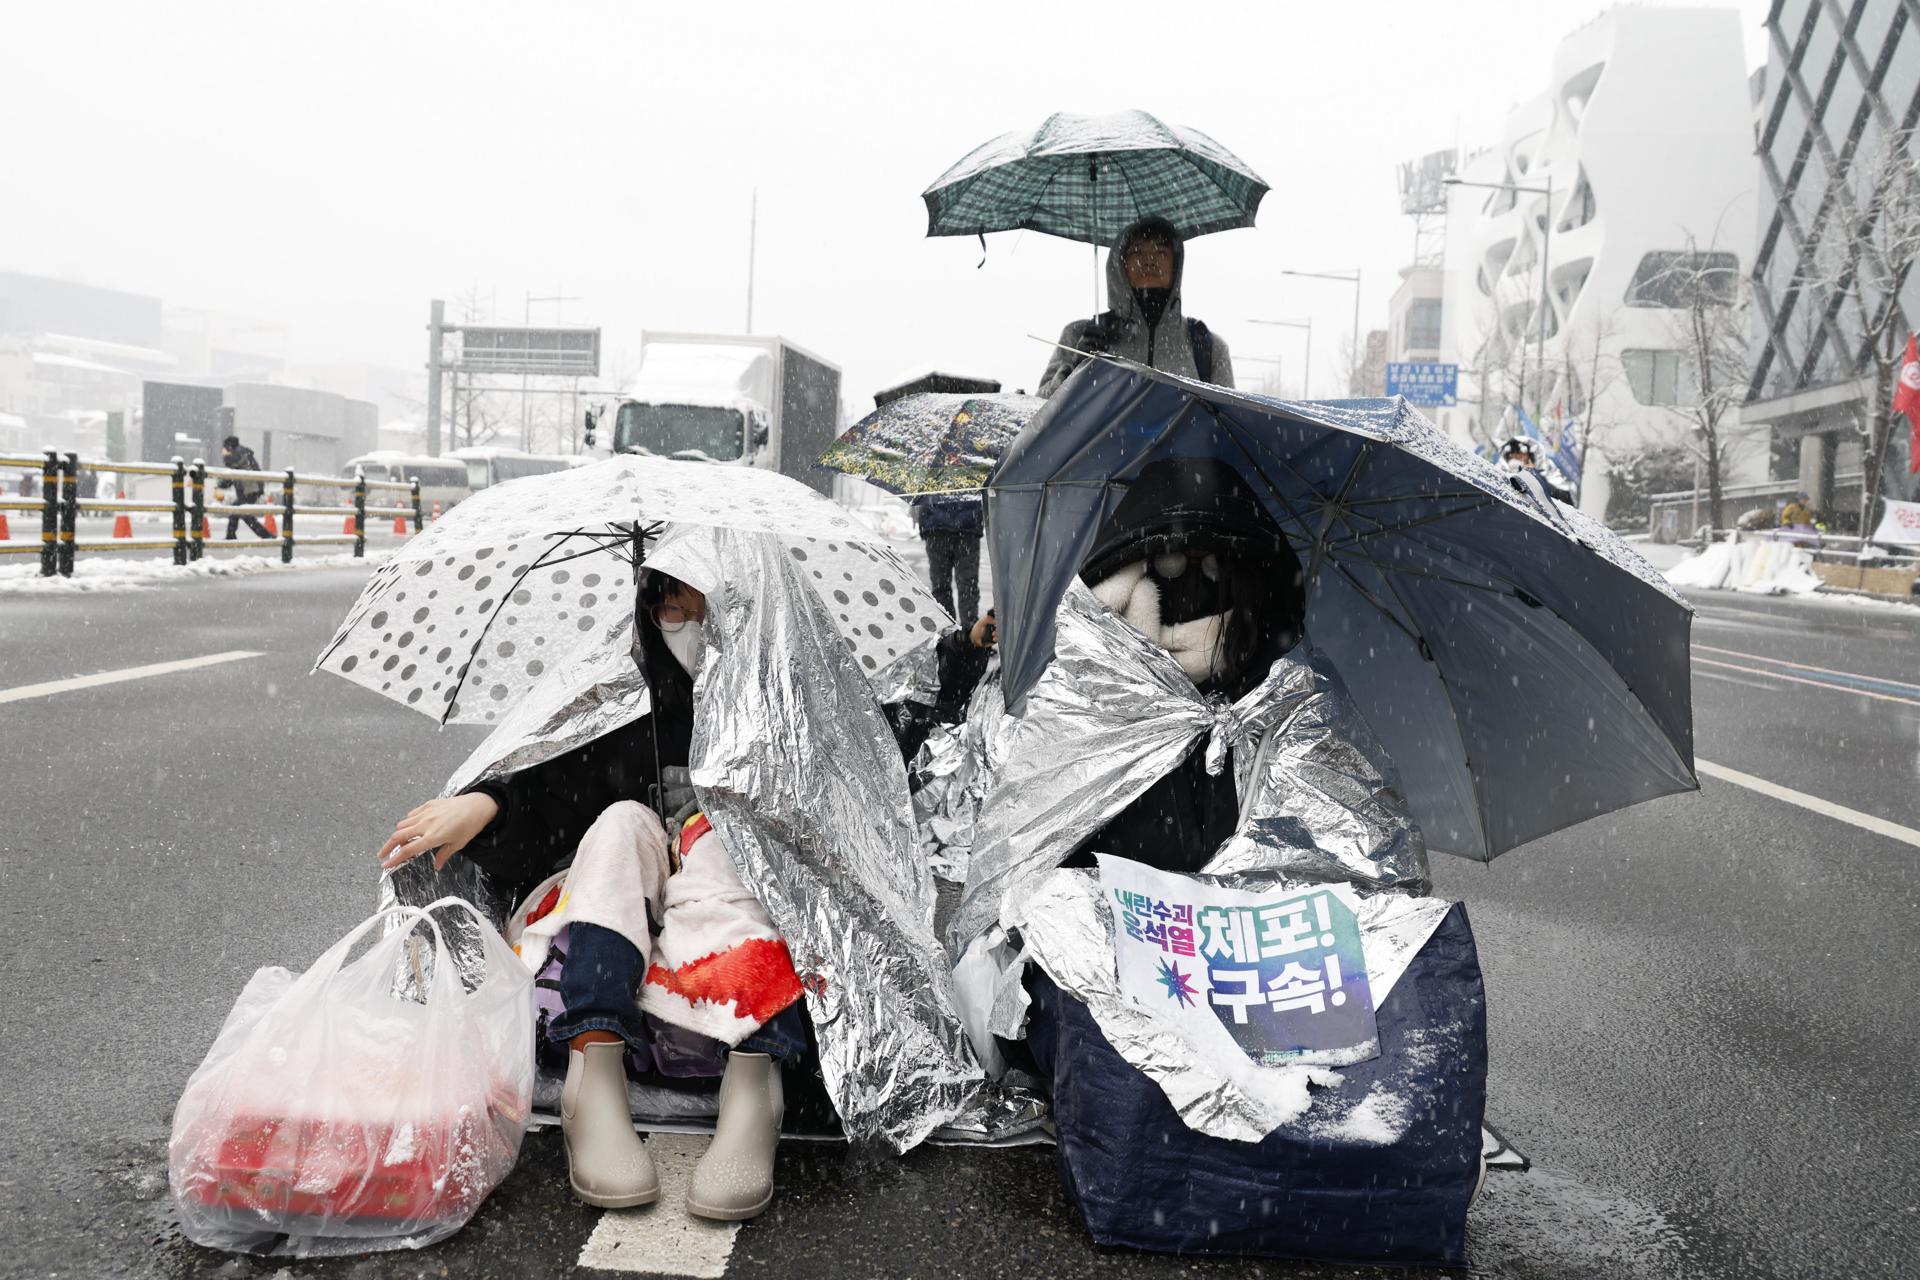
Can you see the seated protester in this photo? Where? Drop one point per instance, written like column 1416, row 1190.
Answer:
column 1244, row 758
column 1192, row 561
column 1144, row 321
column 720, row 969
column 1520, row 454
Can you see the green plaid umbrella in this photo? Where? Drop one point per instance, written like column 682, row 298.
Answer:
column 1090, row 177
column 933, row 442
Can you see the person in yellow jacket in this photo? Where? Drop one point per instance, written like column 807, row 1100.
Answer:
column 1799, row 512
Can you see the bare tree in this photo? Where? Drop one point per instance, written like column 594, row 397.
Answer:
column 1589, row 372
column 1505, row 365
column 1865, row 245
column 1708, row 328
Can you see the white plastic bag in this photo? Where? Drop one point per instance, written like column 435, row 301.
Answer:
column 337, row 1114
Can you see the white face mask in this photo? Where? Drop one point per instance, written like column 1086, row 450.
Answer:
column 688, row 645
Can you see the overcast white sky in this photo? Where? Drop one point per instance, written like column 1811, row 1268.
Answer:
column 331, row 166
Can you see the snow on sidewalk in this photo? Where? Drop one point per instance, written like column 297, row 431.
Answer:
column 1751, row 565
column 94, row 574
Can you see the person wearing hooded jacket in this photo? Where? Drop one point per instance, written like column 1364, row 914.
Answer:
column 1192, row 560
column 1144, row 321
column 716, row 972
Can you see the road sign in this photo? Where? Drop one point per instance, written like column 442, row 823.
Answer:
column 1424, row 382
column 564, row 353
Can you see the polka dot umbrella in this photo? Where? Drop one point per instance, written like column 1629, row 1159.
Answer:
column 528, row 575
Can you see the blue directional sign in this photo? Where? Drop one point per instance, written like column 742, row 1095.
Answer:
column 1424, row 382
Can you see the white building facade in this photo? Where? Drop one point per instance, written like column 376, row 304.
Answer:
column 1644, row 139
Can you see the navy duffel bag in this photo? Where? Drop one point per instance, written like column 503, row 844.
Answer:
column 1379, row 1170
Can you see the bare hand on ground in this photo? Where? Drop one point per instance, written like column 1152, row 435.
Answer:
column 445, row 825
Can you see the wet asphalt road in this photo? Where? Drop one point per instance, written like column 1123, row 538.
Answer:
column 1700, row 1024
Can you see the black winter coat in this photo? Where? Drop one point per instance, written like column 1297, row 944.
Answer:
column 243, row 459
column 546, row 808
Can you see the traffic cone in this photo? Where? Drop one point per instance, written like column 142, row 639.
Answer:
column 400, row 525
column 206, row 528
column 348, row 528
column 273, row 528
column 6, row 534
column 123, row 523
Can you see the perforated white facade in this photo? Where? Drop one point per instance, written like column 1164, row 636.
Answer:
column 1644, row 137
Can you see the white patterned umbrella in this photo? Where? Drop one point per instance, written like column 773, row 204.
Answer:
column 533, row 573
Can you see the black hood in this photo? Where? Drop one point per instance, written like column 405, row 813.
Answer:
column 1195, row 503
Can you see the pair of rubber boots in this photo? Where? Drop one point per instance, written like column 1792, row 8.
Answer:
column 609, row 1166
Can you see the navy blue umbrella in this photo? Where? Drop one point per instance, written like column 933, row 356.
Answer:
column 1523, row 666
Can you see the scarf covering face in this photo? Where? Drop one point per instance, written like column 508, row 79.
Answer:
column 1174, row 602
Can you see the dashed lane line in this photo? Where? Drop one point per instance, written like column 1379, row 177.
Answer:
column 663, row 1238
column 51, row 687
column 1826, row 808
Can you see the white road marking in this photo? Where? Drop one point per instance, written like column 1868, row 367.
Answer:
column 663, row 1238
column 51, row 687
column 1826, row 808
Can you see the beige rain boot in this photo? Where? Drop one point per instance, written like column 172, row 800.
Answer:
column 607, row 1163
column 734, row 1180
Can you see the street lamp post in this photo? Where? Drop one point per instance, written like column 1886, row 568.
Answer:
column 1546, row 244
column 1353, row 278
column 1306, row 380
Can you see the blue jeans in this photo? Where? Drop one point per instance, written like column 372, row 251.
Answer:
column 597, row 985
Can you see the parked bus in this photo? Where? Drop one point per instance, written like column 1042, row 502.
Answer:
column 442, row 480
column 488, row 465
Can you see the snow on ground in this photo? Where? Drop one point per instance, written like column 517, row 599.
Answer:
column 1754, row 566
column 1661, row 555
column 107, row 574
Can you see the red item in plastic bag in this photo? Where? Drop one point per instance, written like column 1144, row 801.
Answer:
column 345, row 1111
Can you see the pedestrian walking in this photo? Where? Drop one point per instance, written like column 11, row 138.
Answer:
column 1144, row 321
column 237, row 457
column 951, row 526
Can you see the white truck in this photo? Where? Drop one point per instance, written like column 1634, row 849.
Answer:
column 732, row 399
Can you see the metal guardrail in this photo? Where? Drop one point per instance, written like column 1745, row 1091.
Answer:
column 1675, row 515
column 60, row 505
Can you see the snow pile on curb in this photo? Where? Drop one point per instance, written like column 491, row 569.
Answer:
column 134, row 575
column 1761, row 568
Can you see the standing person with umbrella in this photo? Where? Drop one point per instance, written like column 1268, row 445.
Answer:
column 1144, row 320
column 1126, row 180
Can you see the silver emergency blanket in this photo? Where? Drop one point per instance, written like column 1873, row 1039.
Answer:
column 1067, row 927
column 952, row 774
column 1114, row 713
column 797, row 770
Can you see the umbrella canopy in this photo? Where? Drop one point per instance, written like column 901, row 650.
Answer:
column 525, row 576
column 1524, row 668
column 1091, row 177
column 931, row 442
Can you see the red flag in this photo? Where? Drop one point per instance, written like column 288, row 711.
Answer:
column 1906, row 399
